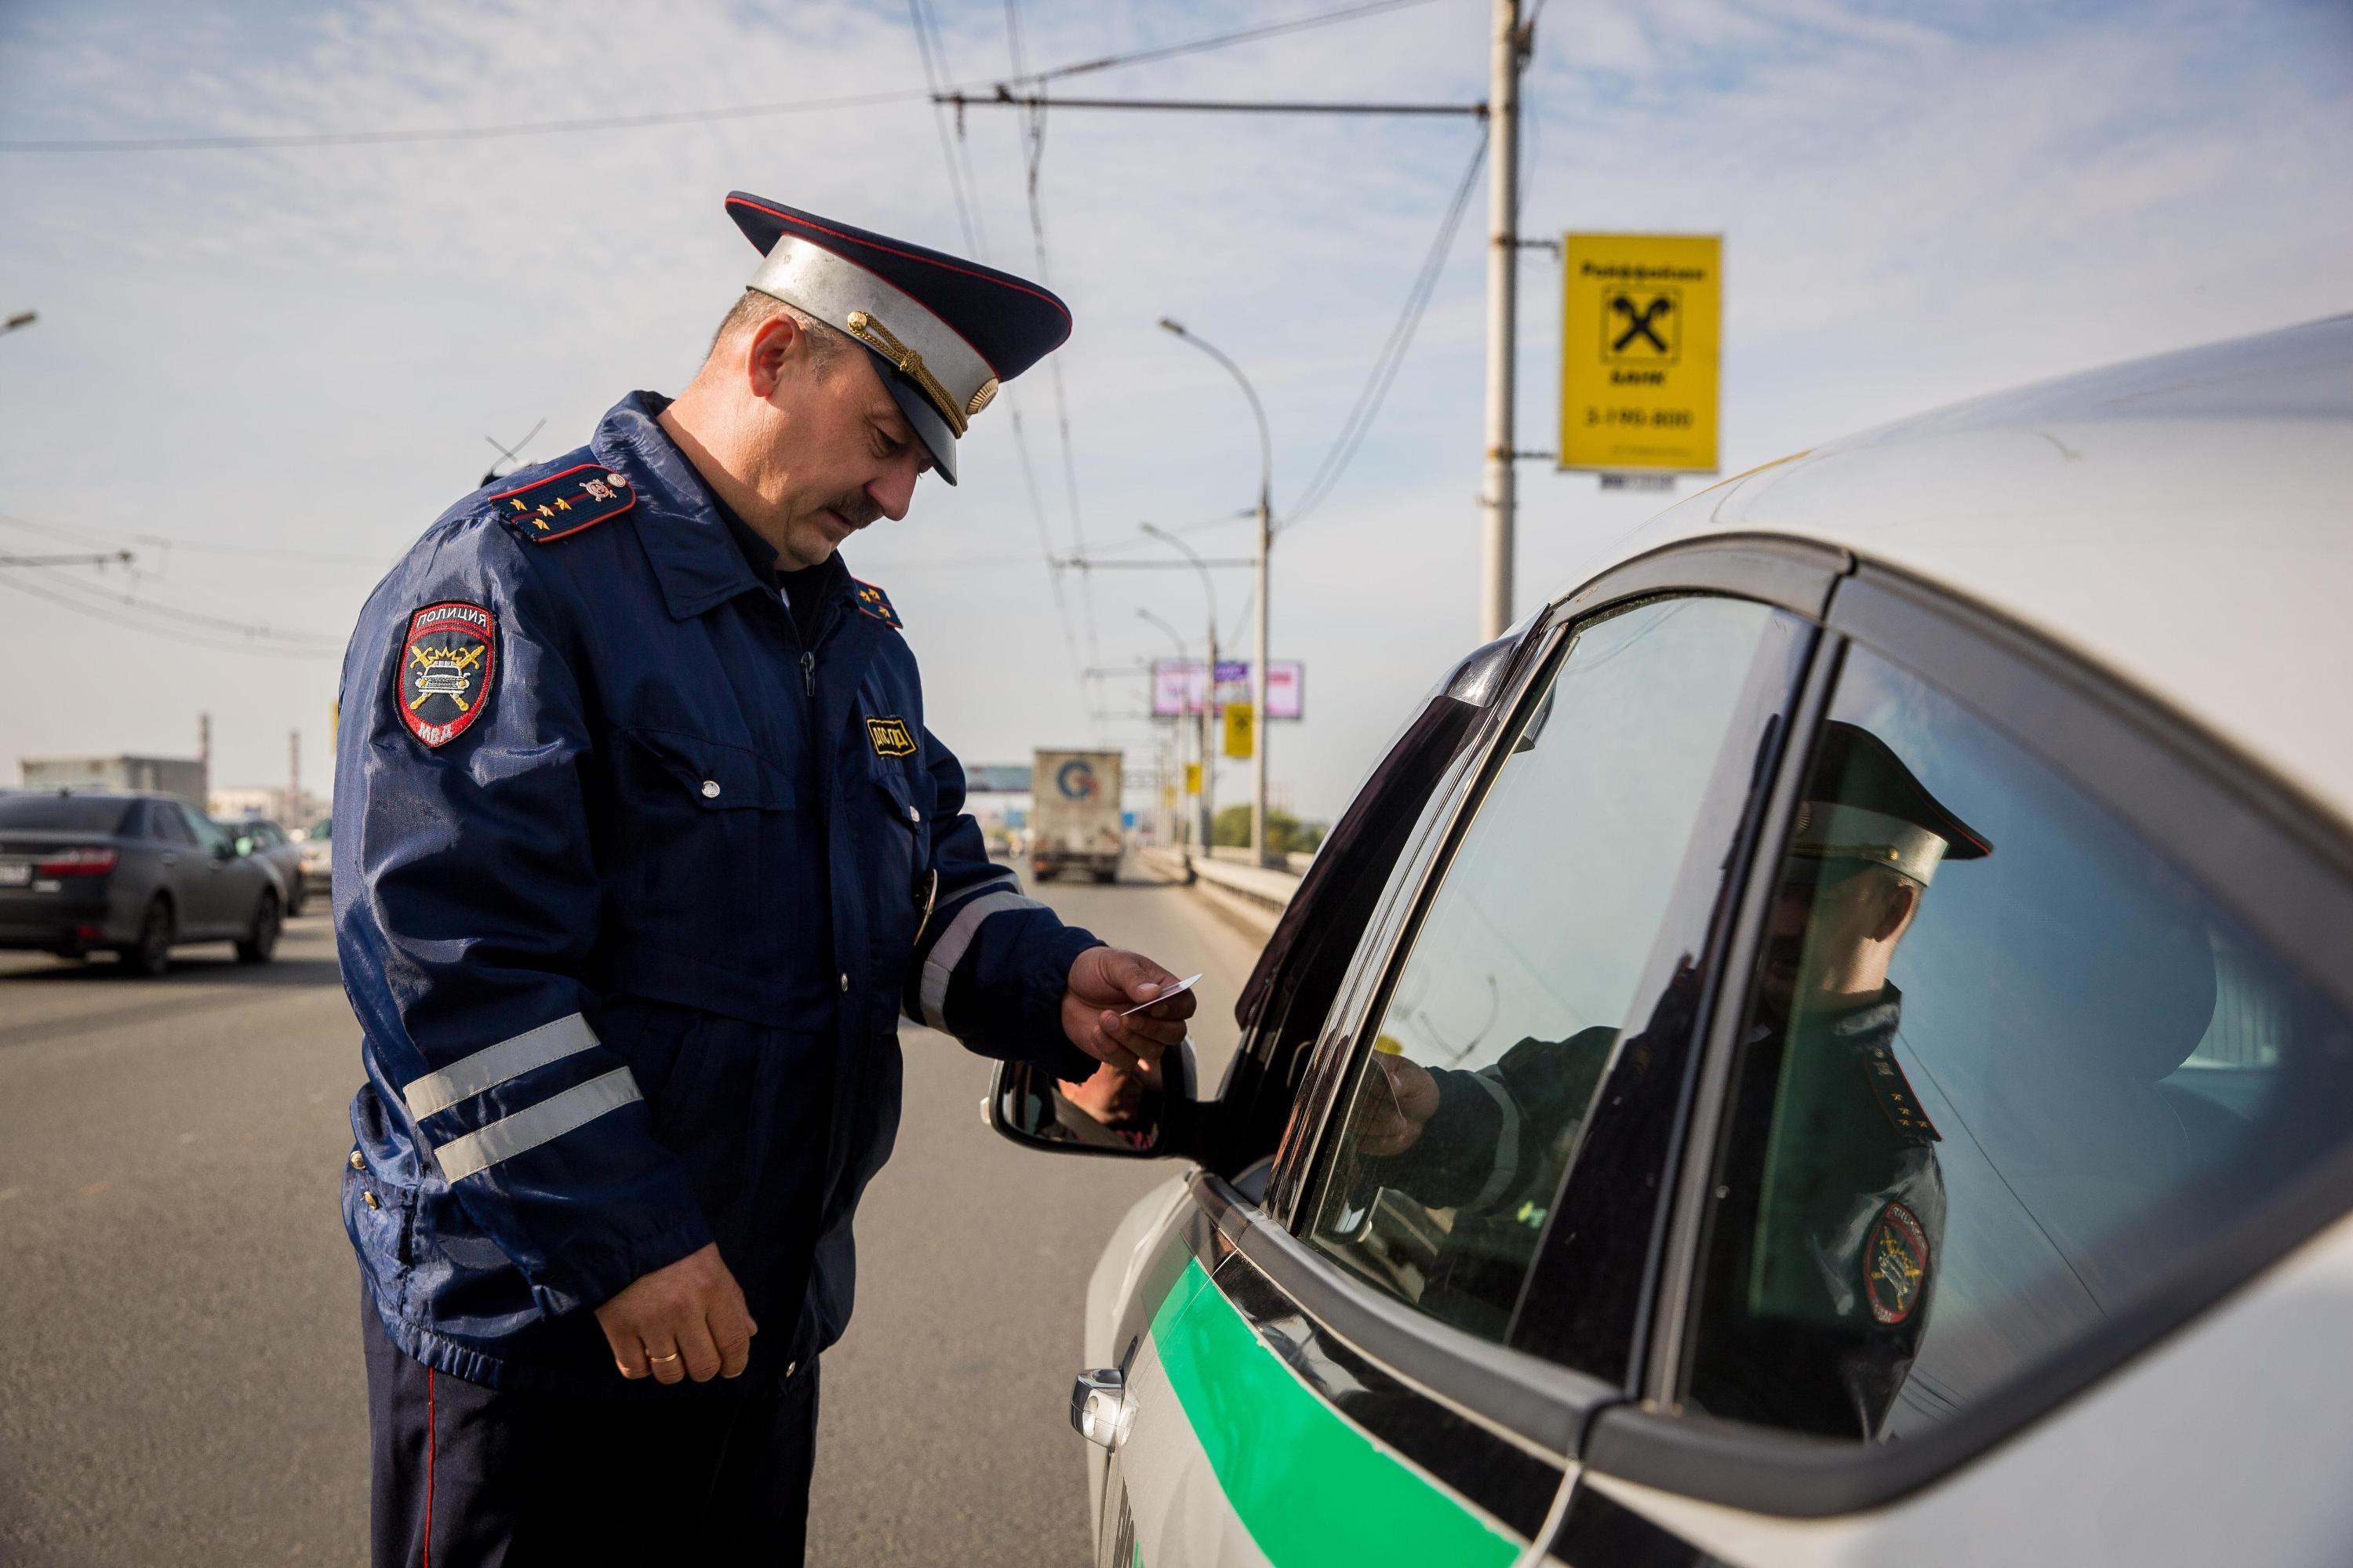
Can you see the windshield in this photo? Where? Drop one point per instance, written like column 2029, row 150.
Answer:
column 63, row 813
column 320, row 829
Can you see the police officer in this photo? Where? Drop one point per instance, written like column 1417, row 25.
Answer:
column 643, row 847
column 1851, row 1221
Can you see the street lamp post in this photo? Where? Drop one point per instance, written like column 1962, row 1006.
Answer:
column 1265, row 542
column 1209, row 686
column 1176, row 816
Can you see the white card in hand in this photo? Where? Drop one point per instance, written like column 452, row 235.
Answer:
column 1177, row 989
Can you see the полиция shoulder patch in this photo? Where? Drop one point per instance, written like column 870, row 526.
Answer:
column 446, row 664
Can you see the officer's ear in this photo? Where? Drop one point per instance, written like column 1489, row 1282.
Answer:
column 778, row 346
column 1899, row 901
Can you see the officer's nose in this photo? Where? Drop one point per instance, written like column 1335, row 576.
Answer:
column 893, row 489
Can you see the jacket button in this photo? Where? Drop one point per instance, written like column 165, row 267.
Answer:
column 369, row 1199
column 711, row 788
column 792, row 1367
column 357, row 1162
column 913, row 814
column 845, row 980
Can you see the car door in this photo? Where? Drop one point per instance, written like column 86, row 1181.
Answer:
column 1946, row 1274
column 1345, row 1372
column 215, row 885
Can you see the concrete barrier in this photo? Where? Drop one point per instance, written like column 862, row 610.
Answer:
column 1251, row 898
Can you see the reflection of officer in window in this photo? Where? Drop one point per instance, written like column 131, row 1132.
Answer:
column 1850, row 1215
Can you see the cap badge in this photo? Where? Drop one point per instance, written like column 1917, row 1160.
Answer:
column 982, row 398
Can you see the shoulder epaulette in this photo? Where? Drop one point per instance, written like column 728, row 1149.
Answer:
column 563, row 504
column 873, row 601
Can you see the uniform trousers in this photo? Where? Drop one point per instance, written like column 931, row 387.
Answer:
column 467, row 1476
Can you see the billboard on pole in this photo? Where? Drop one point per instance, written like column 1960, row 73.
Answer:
column 1176, row 687
column 1642, row 317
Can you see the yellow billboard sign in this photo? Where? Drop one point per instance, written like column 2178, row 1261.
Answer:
column 1192, row 779
column 1641, row 319
column 1242, row 730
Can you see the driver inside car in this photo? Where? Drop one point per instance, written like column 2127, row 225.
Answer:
column 1852, row 1222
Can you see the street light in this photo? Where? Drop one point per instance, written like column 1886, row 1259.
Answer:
column 1176, row 816
column 1209, row 685
column 1265, row 540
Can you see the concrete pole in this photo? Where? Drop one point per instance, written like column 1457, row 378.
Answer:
column 1258, row 727
column 1208, row 753
column 293, row 779
column 1498, row 498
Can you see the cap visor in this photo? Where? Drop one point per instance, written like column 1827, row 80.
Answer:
column 931, row 427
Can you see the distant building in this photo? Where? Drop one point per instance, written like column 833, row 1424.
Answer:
column 261, row 801
column 181, row 775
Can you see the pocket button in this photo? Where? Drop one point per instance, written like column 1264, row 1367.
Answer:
column 711, row 788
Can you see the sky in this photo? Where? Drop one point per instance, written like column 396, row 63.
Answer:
column 266, row 370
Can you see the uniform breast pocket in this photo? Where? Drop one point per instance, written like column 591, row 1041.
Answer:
column 902, row 887
column 706, row 854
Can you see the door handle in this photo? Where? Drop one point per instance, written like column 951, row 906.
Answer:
column 1100, row 1411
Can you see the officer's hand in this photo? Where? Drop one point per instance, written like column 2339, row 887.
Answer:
column 1398, row 1102
column 686, row 1319
column 1106, row 983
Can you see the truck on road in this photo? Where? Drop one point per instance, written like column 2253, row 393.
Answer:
column 1074, row 816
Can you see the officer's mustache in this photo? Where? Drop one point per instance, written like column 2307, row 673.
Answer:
column 857, row 510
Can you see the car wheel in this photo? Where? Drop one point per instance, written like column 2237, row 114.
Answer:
column 150, row 954
column 261, row 941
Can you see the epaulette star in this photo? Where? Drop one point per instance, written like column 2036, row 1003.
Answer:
column 873, row 601
column 584, row 496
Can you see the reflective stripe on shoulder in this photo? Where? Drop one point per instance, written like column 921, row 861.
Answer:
column 527, row 1130
column 956, row 940
column 494, row 1064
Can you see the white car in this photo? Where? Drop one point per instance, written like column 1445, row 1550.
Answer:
column 1832, row 1042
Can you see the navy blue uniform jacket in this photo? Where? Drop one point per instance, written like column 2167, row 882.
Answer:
column 628, row 887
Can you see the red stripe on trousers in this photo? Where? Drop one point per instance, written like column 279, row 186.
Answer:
column 429, row 1447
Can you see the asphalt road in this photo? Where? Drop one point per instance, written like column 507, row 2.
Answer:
column 181, row 1382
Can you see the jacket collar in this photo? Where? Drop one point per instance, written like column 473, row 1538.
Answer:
column 694, row 557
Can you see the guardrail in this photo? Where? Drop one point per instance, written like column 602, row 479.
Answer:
column 1252, row 897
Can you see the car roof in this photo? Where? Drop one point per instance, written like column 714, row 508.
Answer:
column 2182, row 521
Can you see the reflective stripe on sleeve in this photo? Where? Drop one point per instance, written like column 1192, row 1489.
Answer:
column 494, row 1064
column 527, row 1130
column 1507, row 1146
column 955, row 941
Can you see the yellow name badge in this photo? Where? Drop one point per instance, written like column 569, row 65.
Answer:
column 891, row 737
column 1641, row 319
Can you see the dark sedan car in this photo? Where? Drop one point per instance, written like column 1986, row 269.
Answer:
column 135, row 873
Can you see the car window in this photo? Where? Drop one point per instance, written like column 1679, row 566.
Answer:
column 166, row 822
column 1536, row 947
column 63, row 813
column 209, row 835
column 323, row 827
column 2004, row 1068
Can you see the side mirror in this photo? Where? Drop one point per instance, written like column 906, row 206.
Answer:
column 1114, row 1113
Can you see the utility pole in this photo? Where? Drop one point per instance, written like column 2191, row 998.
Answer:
column 293, row 779
column 1265, row 544
column 1499, row 499
column 1208, row 684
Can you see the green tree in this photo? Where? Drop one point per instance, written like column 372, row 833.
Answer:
column 1285, row 834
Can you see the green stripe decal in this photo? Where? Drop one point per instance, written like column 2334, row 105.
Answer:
column 1309, row 1486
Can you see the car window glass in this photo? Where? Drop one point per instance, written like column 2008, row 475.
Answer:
column 62, row 813
column 166, row 820
column 1534, row 951
column 2005, row 1067
column 209, row 835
